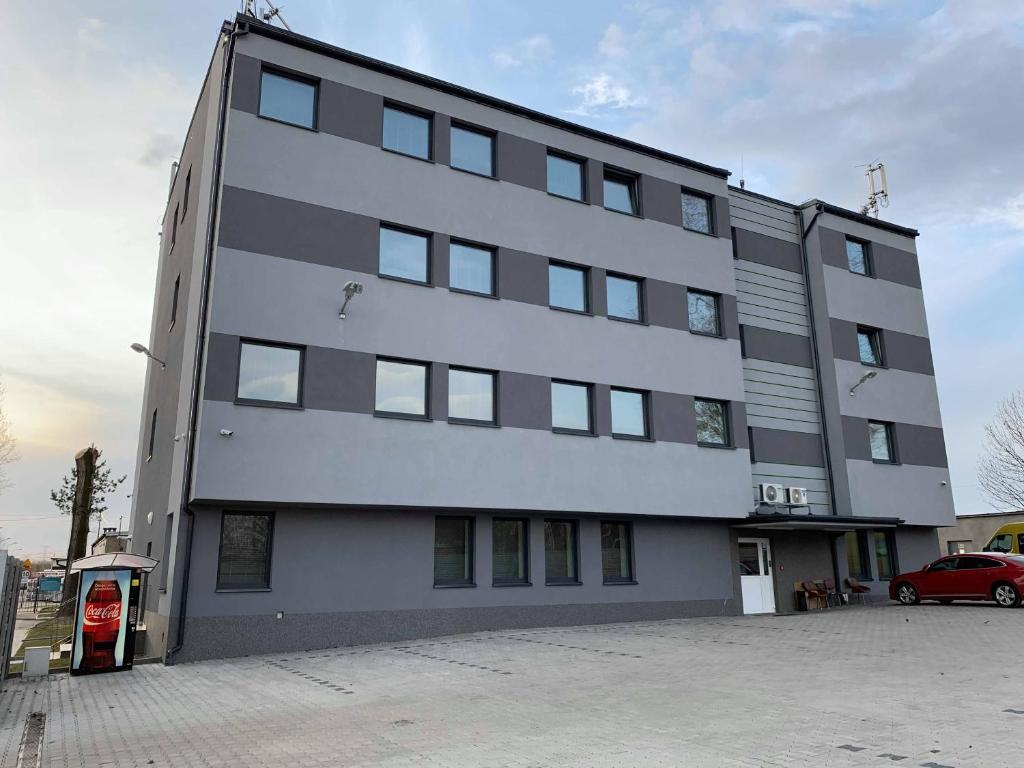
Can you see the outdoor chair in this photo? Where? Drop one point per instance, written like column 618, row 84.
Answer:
column 858, row 589
column 834, row 597
column 819, row 594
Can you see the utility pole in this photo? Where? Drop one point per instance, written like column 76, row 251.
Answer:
column 85, row 467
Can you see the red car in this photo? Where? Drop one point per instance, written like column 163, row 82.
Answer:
column 982, row 576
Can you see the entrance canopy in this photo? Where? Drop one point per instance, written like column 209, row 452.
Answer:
column 773, row 519
column 114, row 561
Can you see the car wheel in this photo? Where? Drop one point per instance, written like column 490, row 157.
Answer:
column 907, row 594
column 1006, row 595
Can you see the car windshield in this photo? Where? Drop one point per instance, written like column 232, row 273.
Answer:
column 1002, row 542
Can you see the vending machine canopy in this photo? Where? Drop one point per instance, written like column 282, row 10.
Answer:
column 114, row 561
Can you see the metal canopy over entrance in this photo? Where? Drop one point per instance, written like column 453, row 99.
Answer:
column 782, row 521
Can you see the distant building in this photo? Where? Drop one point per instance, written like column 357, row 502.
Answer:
column 110, row 540
column 972, row 532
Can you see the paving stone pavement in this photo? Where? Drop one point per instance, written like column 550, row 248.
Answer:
column 935, row 686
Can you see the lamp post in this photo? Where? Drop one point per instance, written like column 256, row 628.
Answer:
column 142, row 350
column 866, row 377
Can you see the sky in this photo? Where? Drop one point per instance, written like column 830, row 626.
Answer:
column 794, row 95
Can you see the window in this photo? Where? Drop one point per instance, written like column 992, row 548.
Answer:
column 629, row 413
column 184, row 197
column 453, row 552
column 401, row 388
column 406, row 132
column 560, row 552
column 620, row 192
column 944, row 565
column 857, row 555
column 617, row 553
column 471, row 396
column 174, row 302
column 152, row 436
column 511, row 552
column 174, row 227
column 565, row 177
column 703, row 311
column 696, row 213
column 165, row 563
column 471, row 269
column 570, row 407
column 882, row 447
column 269, row 373
column 405, row 255
column 869, row 345
column 567, row 287
column 858, row 258
column 624, row 298
column 244, row 561
column 472, row 150
column 1002, row 542
column 712, row 422
column 288, row 99
column 885, row 554
column 957, row 547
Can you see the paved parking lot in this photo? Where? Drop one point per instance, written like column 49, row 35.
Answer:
column 926, row 686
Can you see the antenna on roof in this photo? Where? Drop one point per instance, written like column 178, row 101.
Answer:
column 743, row 182
column 878, row 189
column 249, row 8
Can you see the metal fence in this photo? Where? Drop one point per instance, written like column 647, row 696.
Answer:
column 10, row 582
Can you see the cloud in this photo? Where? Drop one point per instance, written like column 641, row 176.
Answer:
column 91, row 35
column 526, row 52
column 614, row 42
column 160, row 150
column 601, row 92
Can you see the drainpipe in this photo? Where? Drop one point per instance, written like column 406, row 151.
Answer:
column 232, row 31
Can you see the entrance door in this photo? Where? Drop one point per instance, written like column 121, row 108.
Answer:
column 756, row 576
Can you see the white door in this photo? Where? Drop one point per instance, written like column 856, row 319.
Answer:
column 756, row 576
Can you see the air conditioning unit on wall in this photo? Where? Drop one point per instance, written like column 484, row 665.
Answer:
column 772, row 493
column 797, row 496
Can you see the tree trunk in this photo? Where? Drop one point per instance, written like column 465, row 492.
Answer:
column 85, row 464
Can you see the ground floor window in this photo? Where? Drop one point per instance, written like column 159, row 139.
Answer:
column 510, row 554
column 560, row 552
column 857, row 555
column 244, row 561
column 885, row 554
column 453, row 551
column 617, row 552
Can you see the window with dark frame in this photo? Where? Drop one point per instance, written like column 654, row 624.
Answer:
column 402, row 388
column 697, row 212
column 561, row 552
column 704, row 313
column 568, row 287
column 245, row 545
column 288, row 99
column 625, row 297
column 471, row 268
column 174, row 302
column 857, row 555
column 184, row 196
column 174, row 227
column 869, row 345
column 472, row 150
column 629, row 413
column 471, row 396
column 406, row 132
column 453, row 552
column 858, row 257
column 511, row 551
column 885, row 554
column 165, row 563
column 883, row 448
column 152, row 436
column 712, row 422
column 566, row 177
column 620, row 192
column 269, row 374
column 404, row 255
column 571, row 407
column 617, row 552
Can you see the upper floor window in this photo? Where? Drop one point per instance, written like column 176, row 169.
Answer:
column 174, row 302
column 617, row 552
column 624, row 298
column 471, row 396
column 697, row 212
column 869, row 345
column 858, row 257
column 174, row 227
column 472, row 150
column 406, row 132
column 471, row 268
column 184, row 195
column 704, row 313
column 567, row 287
column 712, row 422
column 269, row 374
column 883, row 449
column 152, row 436
column 453, row 552
column 571, row 409
column 243, row 561
column 288, row 98
column 629, row 413
column 405, row 255
column 620, row 192
column 565, row 177
column 402, row 388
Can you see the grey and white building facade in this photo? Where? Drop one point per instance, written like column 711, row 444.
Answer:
column 573, row 364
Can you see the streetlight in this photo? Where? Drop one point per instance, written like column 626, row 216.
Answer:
column 144, row 351
column 865, row 377
column 351, row 289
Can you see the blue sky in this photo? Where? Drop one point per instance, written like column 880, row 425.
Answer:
column 797, row 93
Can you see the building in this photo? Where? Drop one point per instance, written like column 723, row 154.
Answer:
column 574, row 362
column 110, row 540
column 972, row 532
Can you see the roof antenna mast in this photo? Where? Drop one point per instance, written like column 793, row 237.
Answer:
column 878, row 189
column 249, row 8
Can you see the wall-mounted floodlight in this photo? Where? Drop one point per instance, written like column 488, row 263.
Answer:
column 144, row 351
column 865, row 377
column 351, row 289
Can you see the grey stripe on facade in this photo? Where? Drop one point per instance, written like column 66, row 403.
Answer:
column 358, row 115
column 777, row 346
column 917, row 445
column 779, row 446
column 900, row 351
column 290, row 229
column 887, row 263
column 770, row 251
column 345, row 380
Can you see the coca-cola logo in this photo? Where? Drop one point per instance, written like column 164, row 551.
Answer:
column 95, row 614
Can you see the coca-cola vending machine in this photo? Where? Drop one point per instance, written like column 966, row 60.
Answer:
column 108, row 609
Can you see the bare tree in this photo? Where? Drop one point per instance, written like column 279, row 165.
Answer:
column 8, row 445
column 1001, row 467
column 103, row 484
